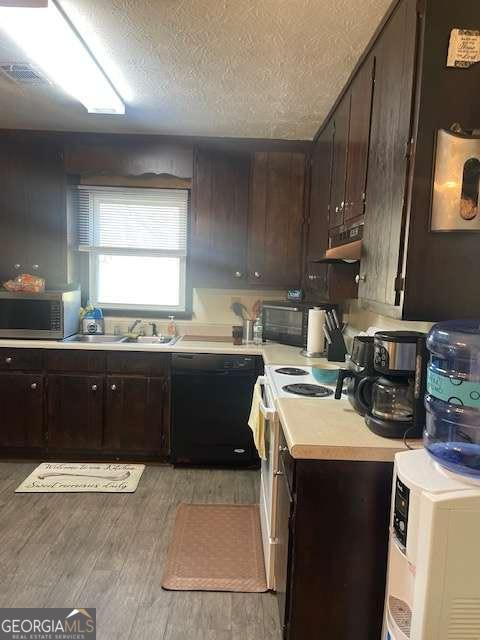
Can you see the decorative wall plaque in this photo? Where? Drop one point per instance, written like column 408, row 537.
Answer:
column 464, row 48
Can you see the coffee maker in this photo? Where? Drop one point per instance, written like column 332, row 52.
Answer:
column 395, row 395
column 360, row 366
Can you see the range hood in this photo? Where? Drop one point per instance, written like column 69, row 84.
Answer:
column 345, row 254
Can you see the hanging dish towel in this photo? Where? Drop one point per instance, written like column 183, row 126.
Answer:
column 256, row 421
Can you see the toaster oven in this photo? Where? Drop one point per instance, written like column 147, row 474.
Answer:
column 286, row 321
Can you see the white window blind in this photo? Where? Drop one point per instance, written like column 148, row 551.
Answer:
column 137, row 240
column 148, row 219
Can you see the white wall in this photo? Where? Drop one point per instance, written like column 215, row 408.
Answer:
column 211, row 312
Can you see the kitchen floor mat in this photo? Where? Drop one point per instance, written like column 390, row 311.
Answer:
column 216, row 547
column 82, row 477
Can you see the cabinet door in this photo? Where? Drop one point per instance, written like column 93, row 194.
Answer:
column 136, row 417
column 13, row 205
column 75, row 412
column 46, row 234
column 340, row 157
column 275, row 234
column 359, row 141
column 220, row 217
column 33, row 207
column 317, row 233
column 388, row 162
column 21, row 401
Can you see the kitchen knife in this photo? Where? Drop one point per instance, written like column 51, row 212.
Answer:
column 335, row 317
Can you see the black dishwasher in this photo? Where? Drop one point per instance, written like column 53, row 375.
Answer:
column 211, row 398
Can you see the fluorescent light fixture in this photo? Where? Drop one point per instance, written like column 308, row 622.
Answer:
column 52, row 44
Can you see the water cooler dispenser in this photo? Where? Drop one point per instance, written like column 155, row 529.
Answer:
column 433, row 582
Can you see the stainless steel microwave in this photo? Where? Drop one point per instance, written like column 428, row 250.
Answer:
column 50, row 315
column 286, row 321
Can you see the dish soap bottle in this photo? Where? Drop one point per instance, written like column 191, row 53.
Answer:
column 171, row 327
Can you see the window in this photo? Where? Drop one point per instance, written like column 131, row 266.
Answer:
column 137, row 242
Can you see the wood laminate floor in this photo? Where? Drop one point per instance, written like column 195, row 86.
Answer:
column 108, row 552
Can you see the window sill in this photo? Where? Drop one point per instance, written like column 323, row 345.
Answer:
column 160, row 315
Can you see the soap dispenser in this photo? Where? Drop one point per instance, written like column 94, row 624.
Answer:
column 171, row 327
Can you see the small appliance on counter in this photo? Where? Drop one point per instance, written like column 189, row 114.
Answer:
column 360, row 366
column 50, row 315
column 433, row 580
column 396, row 408
column 93, row 322
column 286, row 321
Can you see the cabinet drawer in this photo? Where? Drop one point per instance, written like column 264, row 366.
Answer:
column 145, row 364
column 21, row 359
column 73, row 360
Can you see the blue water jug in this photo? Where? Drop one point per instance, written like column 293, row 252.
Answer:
column 452, row 402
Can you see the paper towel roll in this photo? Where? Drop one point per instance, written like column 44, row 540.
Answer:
column 315, row 335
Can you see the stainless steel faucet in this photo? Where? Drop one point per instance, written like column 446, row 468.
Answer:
column 154, row 328
column 132, row 326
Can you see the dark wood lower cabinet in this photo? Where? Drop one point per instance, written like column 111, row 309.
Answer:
column 337, row 549
column 136, row 413
column 75, row 412
column 84, row 404
column 21, row 411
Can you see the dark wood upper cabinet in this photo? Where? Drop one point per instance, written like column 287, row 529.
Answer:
column 341, row 120
column 22, row 421
column 399, row 96
column 394, row 56
column 359, row 141
column 276, row 219
column 220, row 217
column 33, row 208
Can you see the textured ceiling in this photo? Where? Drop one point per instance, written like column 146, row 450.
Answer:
column 249, row 68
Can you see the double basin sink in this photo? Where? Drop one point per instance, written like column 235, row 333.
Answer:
column 164, row 341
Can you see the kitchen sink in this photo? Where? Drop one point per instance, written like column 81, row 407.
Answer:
column 96, row 339
column 166, row 341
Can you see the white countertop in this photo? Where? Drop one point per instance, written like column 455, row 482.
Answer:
column 316, row 430
column 331, row 430
column 272, row 353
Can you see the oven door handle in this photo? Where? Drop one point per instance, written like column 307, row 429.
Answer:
column 267, row 412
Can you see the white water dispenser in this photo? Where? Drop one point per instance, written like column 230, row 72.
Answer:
column 433, row 581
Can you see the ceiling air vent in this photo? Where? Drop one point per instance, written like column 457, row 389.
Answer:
column 22, row 73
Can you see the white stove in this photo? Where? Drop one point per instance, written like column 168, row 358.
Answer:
column 288, row 381
column 280, row 382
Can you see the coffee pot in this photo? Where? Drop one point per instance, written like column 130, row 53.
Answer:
column 360, row 366
column 394, row 396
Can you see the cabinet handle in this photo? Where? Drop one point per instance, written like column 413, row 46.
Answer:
column 94, row 387
column 34, row 386
column 257, row 275
column 361, row 278
column 8, row 360
column 283, row 449
column 113, row 387
column 278, row 473
column 238, row 274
